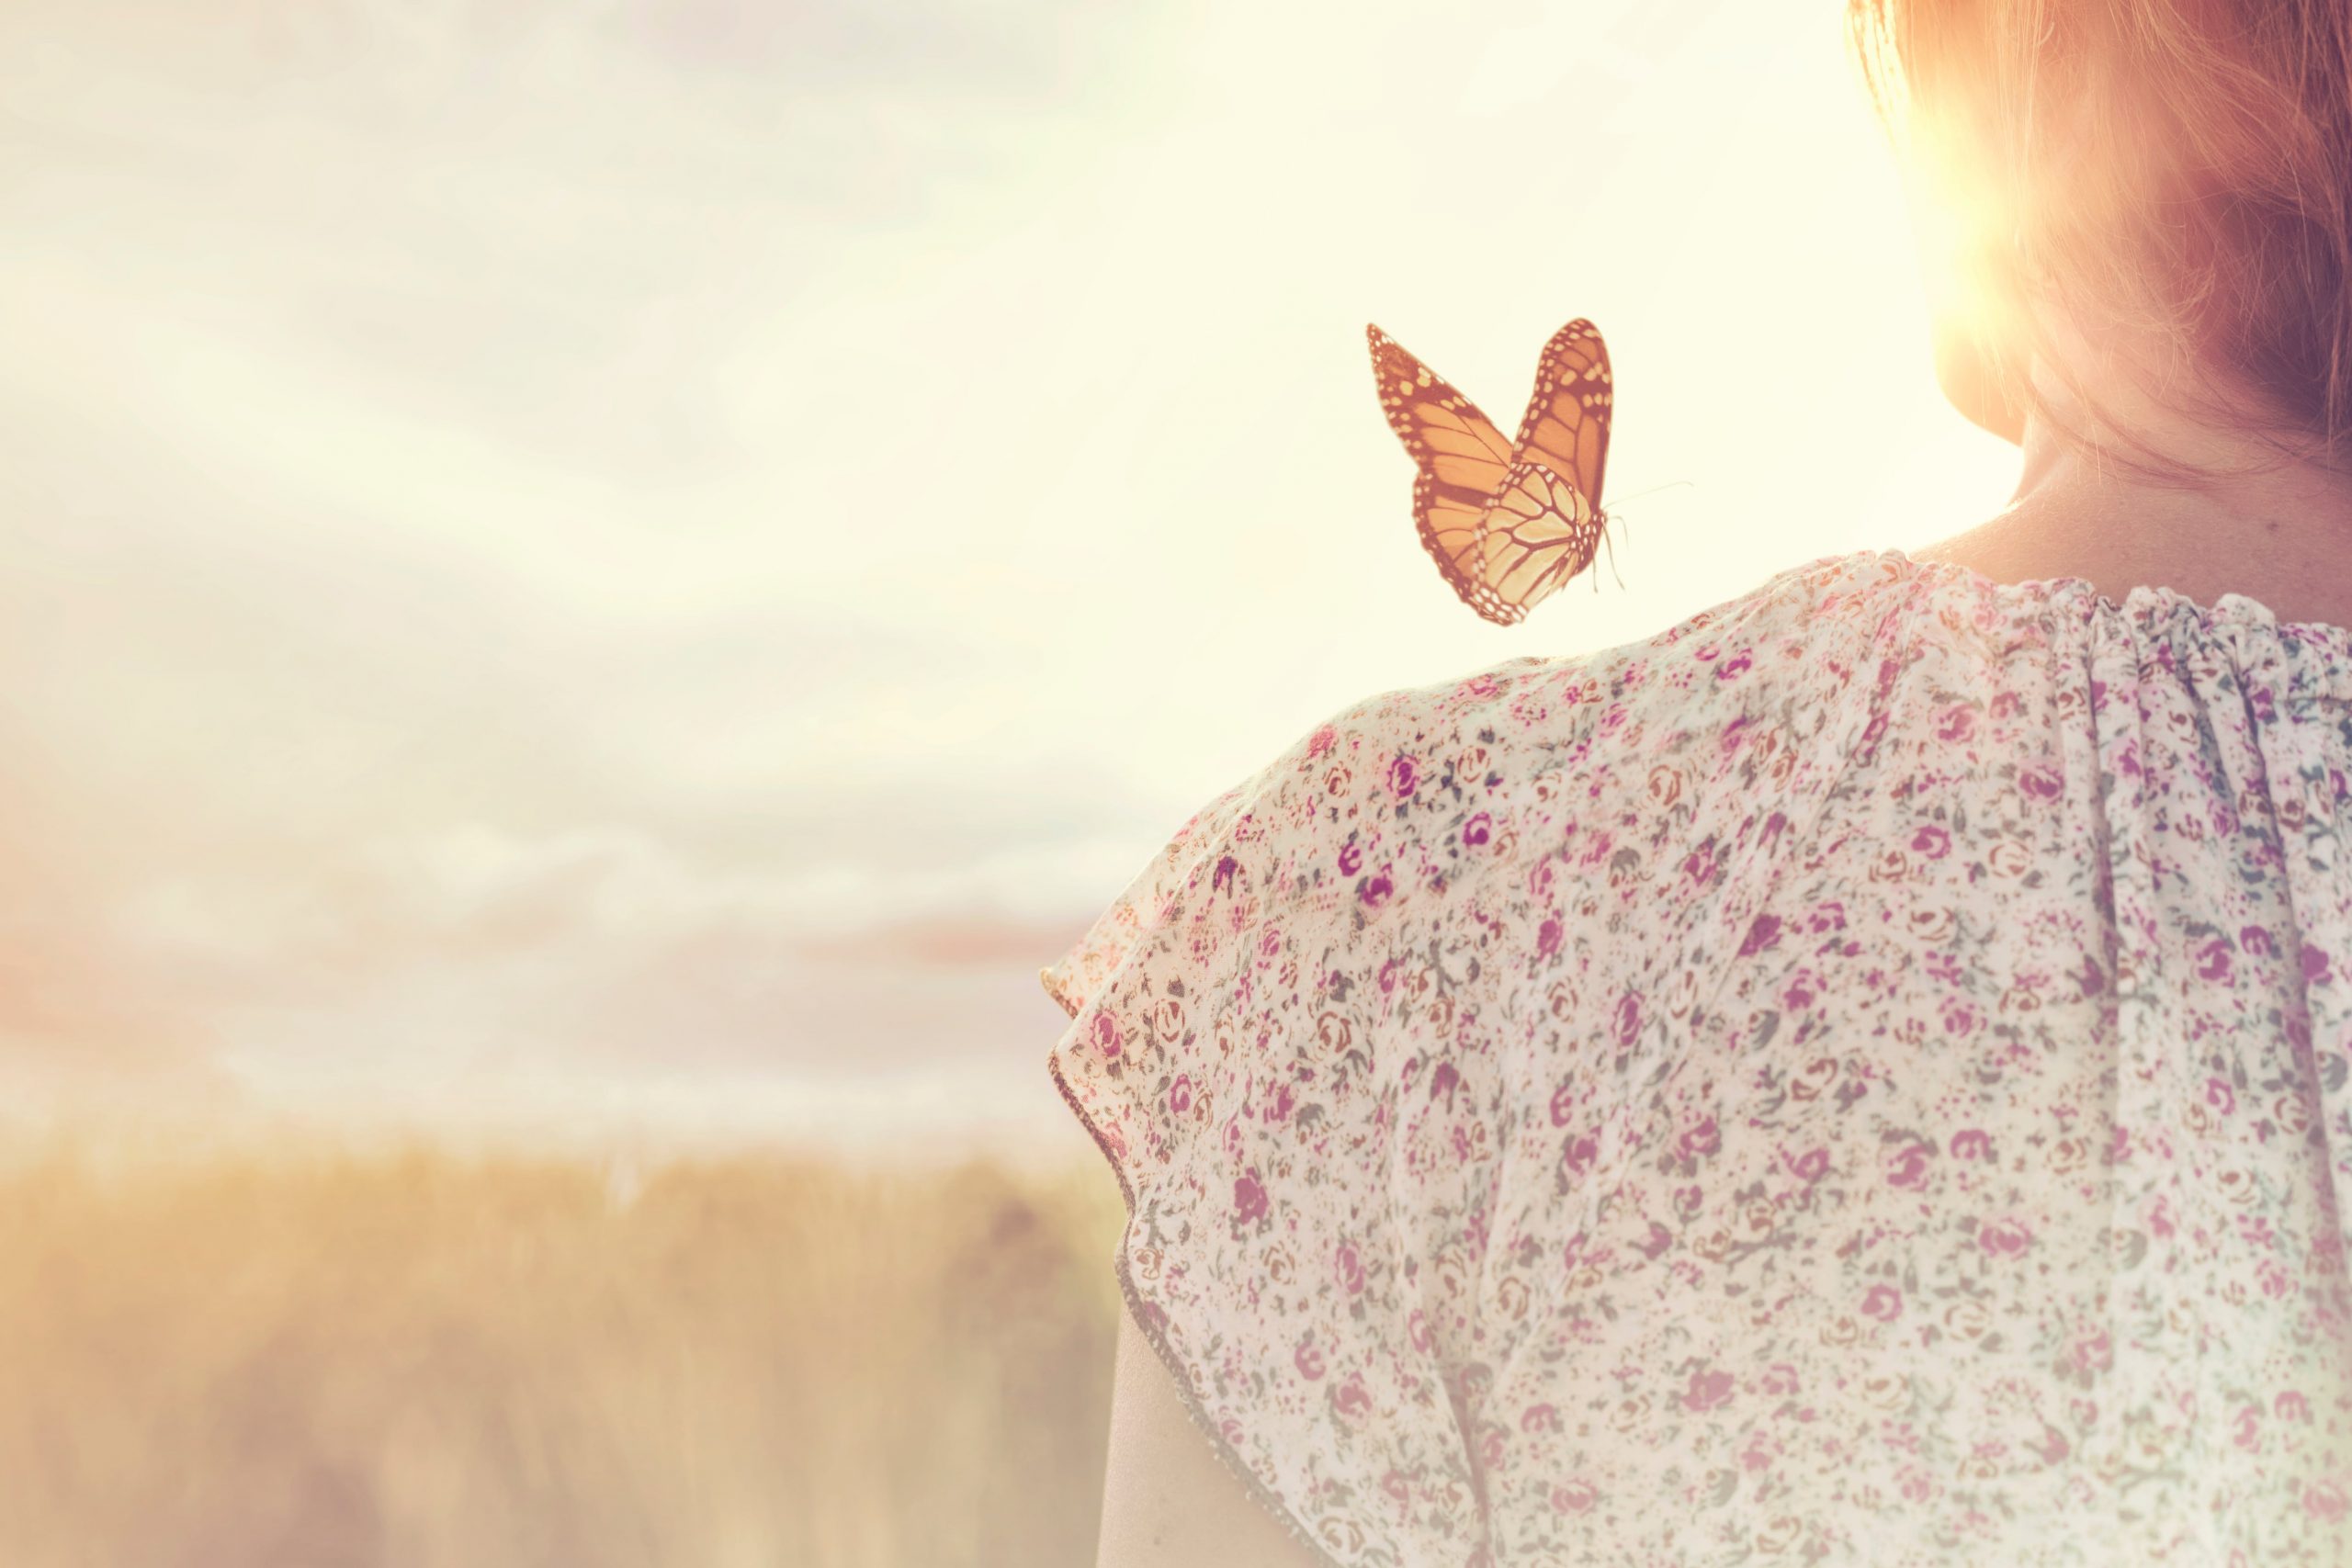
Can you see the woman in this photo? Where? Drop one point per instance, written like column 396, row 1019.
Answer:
column 1865, row 1075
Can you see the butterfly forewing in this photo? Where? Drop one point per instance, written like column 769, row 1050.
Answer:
column 1566, row 425
column 1455, row 444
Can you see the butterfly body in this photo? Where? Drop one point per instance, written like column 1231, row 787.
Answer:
column 1506, row 521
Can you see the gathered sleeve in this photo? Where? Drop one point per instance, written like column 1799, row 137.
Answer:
column 1229, row 1049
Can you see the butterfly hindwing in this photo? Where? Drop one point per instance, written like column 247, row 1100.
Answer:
column 1539, row 532
column 1505, row 524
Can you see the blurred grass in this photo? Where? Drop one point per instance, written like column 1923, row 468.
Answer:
column 323, row 1359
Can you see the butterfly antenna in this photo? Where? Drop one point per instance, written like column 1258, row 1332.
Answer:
column 1652, row 490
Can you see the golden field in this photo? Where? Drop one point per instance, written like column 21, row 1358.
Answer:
column 329, row 1359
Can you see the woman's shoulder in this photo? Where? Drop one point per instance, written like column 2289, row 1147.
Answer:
column 1791, row 642
column 1400, row 799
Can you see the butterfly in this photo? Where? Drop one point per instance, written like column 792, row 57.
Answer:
column 1506, row 521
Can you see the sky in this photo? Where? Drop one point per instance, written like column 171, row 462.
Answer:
column 636, row 569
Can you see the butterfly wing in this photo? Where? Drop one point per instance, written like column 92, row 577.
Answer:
column 1539, row 532
column 1463, row 461
column 1566, row 425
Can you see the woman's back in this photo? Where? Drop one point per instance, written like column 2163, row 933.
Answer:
column 1860, row 1077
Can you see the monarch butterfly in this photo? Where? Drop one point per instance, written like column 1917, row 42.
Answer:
column 1506, row 521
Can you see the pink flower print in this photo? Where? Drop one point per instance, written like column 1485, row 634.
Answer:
column 1573, row 1497
column 1707, row 1390
column 2220, row 1097
column 1957, row 723
column 2042, row 783
column 2093, row 979
column 1320, row 741
column 1539, row 1419
column 1629, row 1018
column 1698, row 865
column 1932, row 842
column 1702, row 1139
column 2293, row 1405
column 1907, row 1167
column 1883, row 1303
column 1221, row 879
column 2323, row 1500
column 1404, row 775
column 1350, row 1271
column 2248, row 1434
column 1388, row 972
column 1564, row 1101
column 2258, row 940
column 1476, row 830
column 1308, row 1360
column 1248, row 1199
column 1811, row 1166
column 2213, row 960
column 1764, row 933
column 1375, row 890
column 1827, row 917
column 1351, row 858
column 1180, row 1094
column 1547, row 938
column 2004, row 1237
column 1730, row 669
column 2006, row 705
column 1109, row 1039
column 1285, row 1100
column 1353, row 1400
column 1653, row 1244
column 1491, row 1448
column 2315, row 966
column 1970, row 1144
column 1396, row 1487
column 1781, row 1377
column 1578, row 1155
column 2094, row 1353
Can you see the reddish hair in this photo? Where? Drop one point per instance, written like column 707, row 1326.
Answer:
column 2172, row 173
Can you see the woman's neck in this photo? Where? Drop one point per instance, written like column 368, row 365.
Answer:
column 2277, row 531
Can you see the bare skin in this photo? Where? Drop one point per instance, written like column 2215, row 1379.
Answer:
column 2279, row 533
column 1168, row 1501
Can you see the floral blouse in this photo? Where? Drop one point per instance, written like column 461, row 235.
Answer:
column 1859, row 1077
